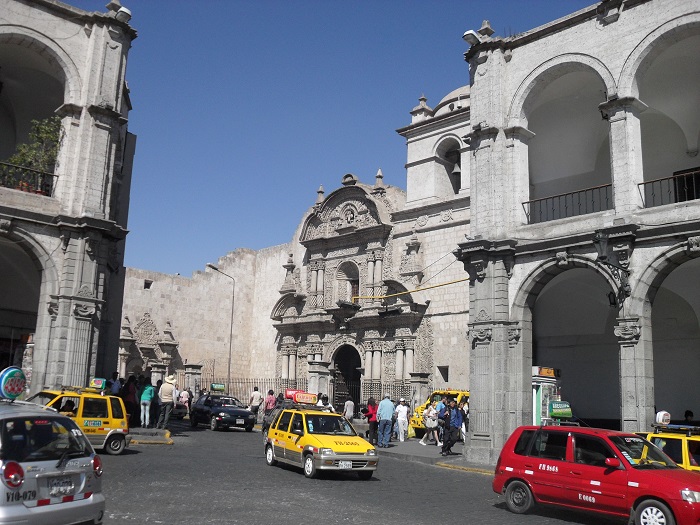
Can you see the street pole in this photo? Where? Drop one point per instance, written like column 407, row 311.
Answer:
column 230, row 338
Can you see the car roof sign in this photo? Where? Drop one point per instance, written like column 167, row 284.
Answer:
column 12, row 383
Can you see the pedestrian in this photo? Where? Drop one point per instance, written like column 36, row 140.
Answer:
column 167, row 401
column 401, row 419
column 129, row 395
column 453, row 423
column 270, row 402
column 371, row 414
column 385, row 412
column 465, row 421
column 146, row 398
column 280, row 400
column 185, row 399
column 430, row 417
column 325, row 404
column 688, row 417
column 256, row 399
column 155, row 404
column 116, row 385
column 349, row 409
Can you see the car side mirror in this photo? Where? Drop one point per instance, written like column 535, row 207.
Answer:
column 612, row 462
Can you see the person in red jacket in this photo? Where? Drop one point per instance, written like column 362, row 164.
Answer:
column 371, row 414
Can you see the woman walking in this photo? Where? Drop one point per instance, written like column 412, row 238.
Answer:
column 430, row 420
column 146, row 399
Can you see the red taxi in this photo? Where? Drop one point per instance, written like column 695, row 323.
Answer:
column 596, row 470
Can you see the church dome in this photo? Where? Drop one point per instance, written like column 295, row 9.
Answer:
column 454, row 100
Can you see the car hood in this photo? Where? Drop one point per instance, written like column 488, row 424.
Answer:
column 667, row 477
column 344, row 444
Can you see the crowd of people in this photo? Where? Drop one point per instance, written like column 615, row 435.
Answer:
column 148, row 405
column 445, row 421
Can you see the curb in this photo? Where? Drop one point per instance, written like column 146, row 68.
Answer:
column 166, row 441
column 476, row 470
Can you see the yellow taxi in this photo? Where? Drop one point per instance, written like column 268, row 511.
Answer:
column 101, row 417
column 315, row 439
column 416, row 420
column 680, row 442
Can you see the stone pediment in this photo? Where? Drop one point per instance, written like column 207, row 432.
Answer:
column 347, row 211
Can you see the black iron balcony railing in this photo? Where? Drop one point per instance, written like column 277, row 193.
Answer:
column 680, row 187
column 26, row 179
column 581, row 202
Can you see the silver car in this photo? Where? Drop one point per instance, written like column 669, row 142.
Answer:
column 50, row 473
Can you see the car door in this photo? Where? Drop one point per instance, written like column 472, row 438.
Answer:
column 278, row 434
column 544, row 464
column 294, row 449
column 93, row 418
column 590, row 484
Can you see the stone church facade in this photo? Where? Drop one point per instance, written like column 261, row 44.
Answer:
column 551, row 217
column 62, row 228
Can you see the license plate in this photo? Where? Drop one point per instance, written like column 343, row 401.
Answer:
column 61, row 486
column 240, row 421
column 345, row 464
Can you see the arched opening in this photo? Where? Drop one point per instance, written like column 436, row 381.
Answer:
column 670, row 125
column 573, row 331
column 347, row 377
column 675, row 324
column 569, row 154
column 20, row 284
column 449, row 161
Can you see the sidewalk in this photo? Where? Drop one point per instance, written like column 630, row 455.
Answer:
column 412, row 450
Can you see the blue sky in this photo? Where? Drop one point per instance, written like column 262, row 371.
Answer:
column 244, row 108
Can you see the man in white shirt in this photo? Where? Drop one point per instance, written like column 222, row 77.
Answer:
column 402, row 418
column 256, row 399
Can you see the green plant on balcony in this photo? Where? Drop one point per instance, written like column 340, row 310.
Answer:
column 38, row 153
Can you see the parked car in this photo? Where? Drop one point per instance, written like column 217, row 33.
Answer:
column 680, row 442
column 50, row 473
column 102, row 418
column 596, row 470
column 314, row 440
column 416, row 420
column 221, row 412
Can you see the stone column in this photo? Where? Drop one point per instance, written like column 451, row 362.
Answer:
column 499, row 375
column 159, row 371
column 419, row 387
column 625, row 151
column 368, row 364
column 517, row 151
column 193, row 377
column 377, row 364
column 292, row 366
column 636, row 376
column 408, row 367
column 400, row 357
column 285, row 364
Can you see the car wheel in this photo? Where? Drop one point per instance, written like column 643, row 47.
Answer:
column 518, row 497
column 270, row 456
column 115, row 445
column 193, row 421
column 309, row 467
column 653, row 512
column 214, row 424
column 365, row 474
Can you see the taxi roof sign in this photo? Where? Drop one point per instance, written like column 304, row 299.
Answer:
column 217, row 387
column 98, row 382
column 12, row 383
column 299, row 396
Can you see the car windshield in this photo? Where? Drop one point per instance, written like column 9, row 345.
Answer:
column 328, row 424
column 642, row 454
column 41, row 439
column 227, row 402
column 42, row 398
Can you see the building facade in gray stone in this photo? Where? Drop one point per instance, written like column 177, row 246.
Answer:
column 62, row 228
column 585, row 216
column 551, row 218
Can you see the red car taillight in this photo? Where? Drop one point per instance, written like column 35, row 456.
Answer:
column 12, row 474
column 97, row 465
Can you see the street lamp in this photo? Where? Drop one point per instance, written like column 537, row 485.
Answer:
column 230, row 337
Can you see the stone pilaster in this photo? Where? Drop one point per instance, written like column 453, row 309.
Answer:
column 636, row 375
